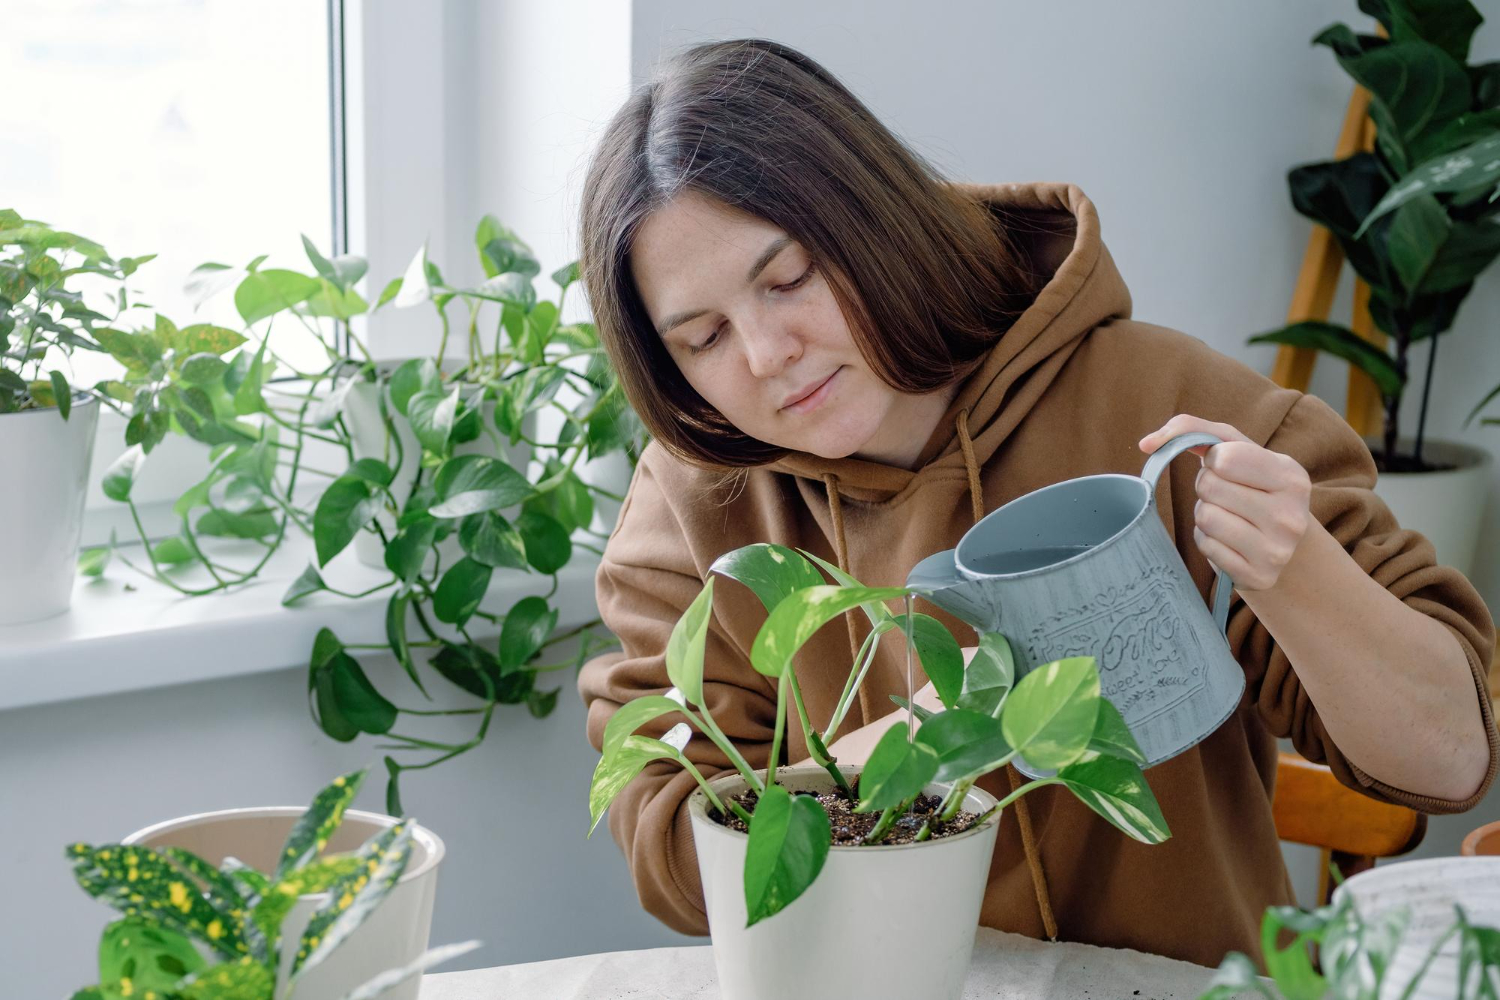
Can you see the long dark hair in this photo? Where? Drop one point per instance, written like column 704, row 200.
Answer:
column 926, row 278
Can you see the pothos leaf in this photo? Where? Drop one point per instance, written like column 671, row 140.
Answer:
column 788, row 844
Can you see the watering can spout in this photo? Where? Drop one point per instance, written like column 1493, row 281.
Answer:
column 937, row 578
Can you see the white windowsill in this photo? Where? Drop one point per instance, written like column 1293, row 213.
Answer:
column 114, row 640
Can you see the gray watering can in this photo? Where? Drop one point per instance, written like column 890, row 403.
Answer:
column 1085, row 568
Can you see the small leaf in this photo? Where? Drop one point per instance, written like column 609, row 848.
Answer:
column 788, row 844
column 941, row 657
column 431, row 414
column 120, row 476
column 205, row 338
column 407, row 551
column 265, row 293
column 344, row 508
column 548, row 547
column 989, row 676
column 395, row 634
column 541, row 703
column 1050, row 716
column 616, row 770
column 490, row 539
column 1113, row 737
column 527, row 625
column 92, row 561
column 62, row 394
column 247, row 394
column 203, row 369
column 633, row 715
column 896, row 771
column 685, row 646
column 1342, row 343
column 352, row 899
column 310, row 582
column 414, row 376
column 460, row 590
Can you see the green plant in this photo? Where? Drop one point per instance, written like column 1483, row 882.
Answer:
column 1418, row 218
column 268, row 438
column 41, row 319
column 172, row 898
column 1055, row 716
column 1353, row 956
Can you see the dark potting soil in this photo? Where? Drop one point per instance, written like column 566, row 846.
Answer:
column 850, row 828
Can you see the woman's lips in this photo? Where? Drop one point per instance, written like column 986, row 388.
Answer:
column 815, row 398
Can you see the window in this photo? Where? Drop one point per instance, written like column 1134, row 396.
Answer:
column 194, row 129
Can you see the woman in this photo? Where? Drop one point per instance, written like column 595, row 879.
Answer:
column 838, row 351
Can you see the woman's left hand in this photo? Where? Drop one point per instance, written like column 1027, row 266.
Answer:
column 1252, row 508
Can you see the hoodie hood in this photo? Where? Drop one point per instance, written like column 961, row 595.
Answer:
column 1057, row 229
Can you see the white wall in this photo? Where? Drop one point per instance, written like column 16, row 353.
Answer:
column 1179, row 119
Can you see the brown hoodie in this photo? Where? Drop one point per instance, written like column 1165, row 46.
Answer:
column 1066, row 392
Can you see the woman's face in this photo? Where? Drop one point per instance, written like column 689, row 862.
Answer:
column 755, row 329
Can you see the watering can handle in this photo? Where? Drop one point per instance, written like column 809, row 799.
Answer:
column 1155, row 466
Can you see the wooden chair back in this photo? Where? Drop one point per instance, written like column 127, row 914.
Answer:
column 1312, row 807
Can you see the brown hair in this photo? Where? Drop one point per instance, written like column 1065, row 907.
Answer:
column 925, row 278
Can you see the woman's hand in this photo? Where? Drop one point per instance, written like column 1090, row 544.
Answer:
column 1252, row 509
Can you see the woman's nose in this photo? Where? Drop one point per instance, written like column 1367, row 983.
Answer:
column 768, row 349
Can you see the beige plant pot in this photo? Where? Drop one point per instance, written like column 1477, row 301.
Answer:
column 895, row 921
column 393, row 936
column 1447, row 507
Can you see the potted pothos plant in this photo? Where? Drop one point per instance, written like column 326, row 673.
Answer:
column 439, row 463
column 880, row 870
column 47, row 423
column 274, row 904
column 1418, row 218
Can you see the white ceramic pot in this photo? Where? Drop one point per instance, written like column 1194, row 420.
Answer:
column 885, row 921
column 362, row 414
column 1447, row 506
column 1429, row 887
column 395, row 934
column 44, row 466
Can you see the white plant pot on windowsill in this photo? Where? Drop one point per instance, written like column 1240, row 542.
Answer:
column 393, row 936
column 44, row 468
column 1446, row 506
column 882, row 921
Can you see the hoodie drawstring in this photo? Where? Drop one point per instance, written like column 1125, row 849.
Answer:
column 841, row 551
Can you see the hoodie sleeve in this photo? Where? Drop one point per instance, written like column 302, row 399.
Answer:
column 644, row 583
column 1401, row 560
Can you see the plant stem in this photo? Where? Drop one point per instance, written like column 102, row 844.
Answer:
column 780, row 729
column 710, row 728
column 863, row 660
column 1426, row 395
column 887, row 820
column 815, row 748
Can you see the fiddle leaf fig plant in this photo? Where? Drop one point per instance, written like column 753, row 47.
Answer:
column 1419, row 217
column 441, row 461
column 193, row 931
column 1054, row 717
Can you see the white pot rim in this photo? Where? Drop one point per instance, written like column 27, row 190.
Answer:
column 1462, row 454
column 80, row 398
column 1406, row 873
column 698, row 809
column 431, row 842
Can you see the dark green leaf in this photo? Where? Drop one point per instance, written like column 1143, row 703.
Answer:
column 414, row 376
column 407, row 551
column 1342, row 343
column 527, row 625
column 345, row 507
column 990, row 675
column 941, row 657
column 490, row 539
column 1113, row 737
column 395, row 634
column 967, row 743
column 460, row 590
column 541, row 703
column 62, row 394
column 788, row 844
column 548, row 547
column 310, row 582
column 470, row 484
column 896, row 771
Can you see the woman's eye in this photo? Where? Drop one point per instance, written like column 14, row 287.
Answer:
column 805, row 275
column 699, row 348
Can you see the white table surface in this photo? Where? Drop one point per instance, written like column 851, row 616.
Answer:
column 1004, row 967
